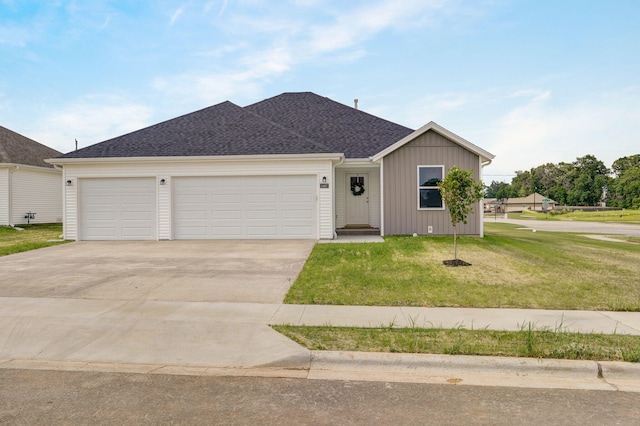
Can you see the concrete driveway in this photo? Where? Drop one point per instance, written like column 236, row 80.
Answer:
column 187, row 271
column 186, row 303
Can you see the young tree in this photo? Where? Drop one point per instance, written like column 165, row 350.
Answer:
column 459, row 192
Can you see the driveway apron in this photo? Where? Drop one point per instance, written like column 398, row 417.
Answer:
column 187, row 303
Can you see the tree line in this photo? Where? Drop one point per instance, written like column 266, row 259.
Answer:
column 584, row 182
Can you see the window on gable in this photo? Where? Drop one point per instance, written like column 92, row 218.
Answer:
column 428, row 192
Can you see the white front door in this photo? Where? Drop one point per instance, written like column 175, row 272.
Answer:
column 357, row 203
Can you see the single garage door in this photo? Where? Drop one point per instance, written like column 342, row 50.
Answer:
column 118, row 209
column 237, row 207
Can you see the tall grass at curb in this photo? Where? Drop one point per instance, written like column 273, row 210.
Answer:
column 529, row 341
column 511, row 268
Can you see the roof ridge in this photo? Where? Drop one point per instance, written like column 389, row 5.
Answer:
column 293, row 132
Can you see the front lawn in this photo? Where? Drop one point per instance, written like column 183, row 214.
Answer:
column 33, row 237
column 511, row 268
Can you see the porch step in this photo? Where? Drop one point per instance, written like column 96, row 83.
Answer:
column 358, row 231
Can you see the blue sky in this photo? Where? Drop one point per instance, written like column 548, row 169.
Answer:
column 530, row 81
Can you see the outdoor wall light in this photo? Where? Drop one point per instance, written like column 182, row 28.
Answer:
column 162, row 181
column 69, row 182
column 324, row 179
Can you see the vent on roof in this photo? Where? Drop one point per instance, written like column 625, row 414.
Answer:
column 355, row 103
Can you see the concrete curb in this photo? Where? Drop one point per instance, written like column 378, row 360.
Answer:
column 393, row 367
column 475, row 370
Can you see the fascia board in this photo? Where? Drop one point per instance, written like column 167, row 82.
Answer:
column 285, row 157
column 29, row 167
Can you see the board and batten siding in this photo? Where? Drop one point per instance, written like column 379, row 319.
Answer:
column 169, row 169
column 401, row 214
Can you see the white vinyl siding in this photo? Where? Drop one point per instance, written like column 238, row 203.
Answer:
column 241, row 207
column 193, row 167
column 4, row 196
column 118, row 209
column 26, row 189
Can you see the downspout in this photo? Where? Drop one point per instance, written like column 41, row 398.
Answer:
column 483, row 164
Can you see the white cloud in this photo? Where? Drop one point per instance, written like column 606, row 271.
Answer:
column 176, row 14
column 358, row 25
column 540, row 131
column 295, row 42
column 90, row 120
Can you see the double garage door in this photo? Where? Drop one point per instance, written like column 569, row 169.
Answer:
column 235, row 207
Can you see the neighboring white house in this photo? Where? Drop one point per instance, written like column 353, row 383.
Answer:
column 297, row 165
column 30, row 189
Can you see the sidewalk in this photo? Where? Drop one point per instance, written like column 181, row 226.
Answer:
column 468, row 318
column 234, row 339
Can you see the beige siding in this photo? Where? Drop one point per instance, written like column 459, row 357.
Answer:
column 168, row 170
column 401, row 214
column 4, row 196
column 38, row 192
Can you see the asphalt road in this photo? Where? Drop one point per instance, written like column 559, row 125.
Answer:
column 606, row 228
column 29, row 397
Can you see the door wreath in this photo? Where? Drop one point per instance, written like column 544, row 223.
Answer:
column 357, row 189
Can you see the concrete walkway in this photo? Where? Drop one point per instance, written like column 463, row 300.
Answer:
column 466, row 318
column 218, row 338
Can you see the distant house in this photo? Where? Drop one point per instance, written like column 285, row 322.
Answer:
column 30, row 189
column 296, row 165
column 532, row 202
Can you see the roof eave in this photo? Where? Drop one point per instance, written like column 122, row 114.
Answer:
column 264, row 157
column 30, row 167
column 483, row 154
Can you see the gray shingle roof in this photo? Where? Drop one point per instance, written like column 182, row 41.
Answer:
column 343, row 129
column 291, row 123
column 18, row 149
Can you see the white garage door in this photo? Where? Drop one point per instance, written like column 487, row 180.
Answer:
column 118, row 209
column 260, row 207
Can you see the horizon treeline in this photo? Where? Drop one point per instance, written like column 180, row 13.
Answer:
column 584, row 182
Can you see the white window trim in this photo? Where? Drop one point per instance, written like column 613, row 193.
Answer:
column 419, row 187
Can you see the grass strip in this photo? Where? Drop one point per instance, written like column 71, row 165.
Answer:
column 527, row 342
column 32, row 237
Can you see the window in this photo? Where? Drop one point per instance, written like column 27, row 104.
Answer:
column 428, row 192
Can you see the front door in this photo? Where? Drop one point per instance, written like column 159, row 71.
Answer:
column 357, row 203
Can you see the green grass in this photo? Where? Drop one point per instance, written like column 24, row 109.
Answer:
column 511, row 268
column 527, row 342
column 33, row 237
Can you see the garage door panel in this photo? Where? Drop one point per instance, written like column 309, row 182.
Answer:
column 227, row 231
column 296, row 231
column 118, row 208
column 297, row 214
column 248, row 207
column 262, row 231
